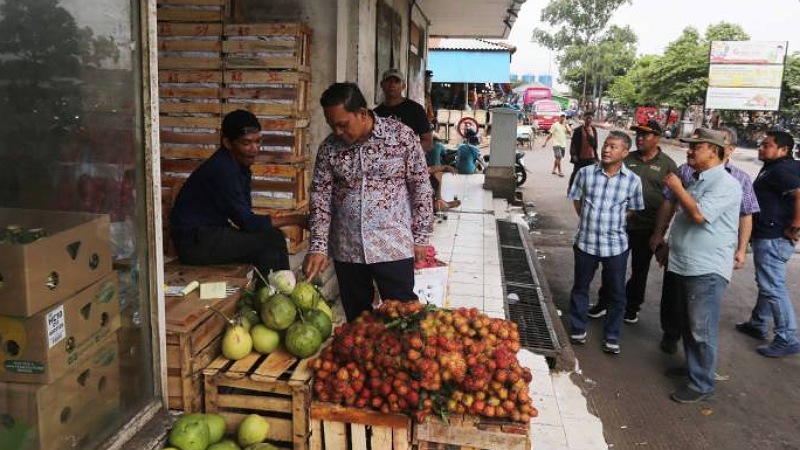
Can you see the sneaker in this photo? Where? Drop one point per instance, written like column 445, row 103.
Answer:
column 561, row 175
column 597, row 311
column 778, row 349
column 611, row 347
column 751, row 330
column 689, row 395
column 669, row 345
column 680, row 372
column 631, row 317
column 578, row 338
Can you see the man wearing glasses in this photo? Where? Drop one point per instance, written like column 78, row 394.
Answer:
column 702, row 242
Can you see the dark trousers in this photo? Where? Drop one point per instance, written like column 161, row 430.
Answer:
column 673, row 308
column 577, row 165
column 641, row 255
column 223, row 245
column 613, row 274
column 395, row 280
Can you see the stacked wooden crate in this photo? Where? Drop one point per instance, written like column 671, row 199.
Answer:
column 208, row 69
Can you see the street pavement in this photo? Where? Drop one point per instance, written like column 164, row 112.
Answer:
column 756, row 405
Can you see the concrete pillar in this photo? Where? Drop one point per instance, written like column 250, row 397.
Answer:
column 499, row 175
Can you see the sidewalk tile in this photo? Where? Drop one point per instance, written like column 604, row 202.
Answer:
column 464, row 277
column 466, row 289
column 548, row 411
column 464, row 301
column 548, row 437
column 584, row 434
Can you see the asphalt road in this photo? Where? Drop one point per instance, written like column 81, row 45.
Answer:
column 757, row 407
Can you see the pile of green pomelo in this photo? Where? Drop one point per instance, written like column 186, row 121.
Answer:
column 207, row 432
column 284, row 311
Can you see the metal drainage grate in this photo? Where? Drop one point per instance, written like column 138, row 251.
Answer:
column 524, row 302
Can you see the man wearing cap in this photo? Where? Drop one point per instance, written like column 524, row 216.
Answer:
column 212, row 221
column 558, row 133
column 671, row 311
column 651, row 165
column 583, row 146
column 371, row 202
column 776, row 230
column 702, row 243
column 396, row 106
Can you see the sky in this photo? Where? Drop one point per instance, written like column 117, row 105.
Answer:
column 657, row 23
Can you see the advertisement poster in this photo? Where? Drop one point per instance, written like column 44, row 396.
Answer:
column 744, row 75
column 754, row 99
column 748, row 52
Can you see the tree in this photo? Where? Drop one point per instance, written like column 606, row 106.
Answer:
column 579, row 26
column 790, row 93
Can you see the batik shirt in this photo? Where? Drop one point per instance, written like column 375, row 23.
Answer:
column 371, row 202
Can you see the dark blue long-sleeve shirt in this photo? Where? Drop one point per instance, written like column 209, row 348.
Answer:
column 216, row 194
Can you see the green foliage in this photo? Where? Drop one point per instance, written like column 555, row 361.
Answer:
column 790, row 100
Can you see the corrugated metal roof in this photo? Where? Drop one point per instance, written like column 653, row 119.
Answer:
column 436, row 43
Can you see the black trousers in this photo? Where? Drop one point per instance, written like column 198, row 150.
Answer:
column 395, row 280
column 673, row 308
column 577, row 165
column 636, row 287
column 223, row 245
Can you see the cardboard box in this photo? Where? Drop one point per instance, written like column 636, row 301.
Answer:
column 430, row 284
column 75, row 254
column 68, row 413
column 42, row 348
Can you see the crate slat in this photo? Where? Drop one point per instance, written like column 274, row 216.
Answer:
column 256, row 46
column 180, row 45
column 260, row 93
column 253, row 62
column 192, row 2
column 266, row 29
column 190, row 76
column 174, row 137
column 388, row 431
column 189, row 15
column 170, row 29
column 473, row 432
column 185, row 62
column 190, row 122
column 254, row 402
column 189, row 107
column 264, row 77
column 263, row 109
column 189, row 92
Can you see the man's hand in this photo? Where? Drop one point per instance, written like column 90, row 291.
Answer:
column 450, row 169
column 792, row 233
column 420, row 253
column 314, row 264
column 739, row 259
column 662, row 255
column 656, row 240
column 673, row 182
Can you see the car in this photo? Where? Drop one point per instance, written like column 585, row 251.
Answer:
column 545, row 113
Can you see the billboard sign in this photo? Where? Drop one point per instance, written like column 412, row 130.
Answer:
column 745, row 75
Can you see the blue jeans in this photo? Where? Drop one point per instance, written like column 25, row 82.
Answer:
column 770, row 257
column 613, row 279
column 703, row 296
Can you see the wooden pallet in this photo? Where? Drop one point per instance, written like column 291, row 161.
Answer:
column 267, row 46
column 267, row 92
column 193, row 331
column 277, row 387
column 466, row 431
column 335, row 427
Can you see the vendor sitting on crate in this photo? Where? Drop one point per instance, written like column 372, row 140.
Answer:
column 212, row 220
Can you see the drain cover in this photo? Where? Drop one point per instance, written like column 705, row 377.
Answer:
column 524, row 303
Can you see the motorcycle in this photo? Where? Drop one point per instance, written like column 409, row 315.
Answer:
column 520, row 172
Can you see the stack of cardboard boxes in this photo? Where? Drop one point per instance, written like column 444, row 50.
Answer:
column 59, row 314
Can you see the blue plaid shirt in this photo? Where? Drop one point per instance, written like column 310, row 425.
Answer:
column 605, row 202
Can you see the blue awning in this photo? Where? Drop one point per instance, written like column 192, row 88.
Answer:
column 460, row 66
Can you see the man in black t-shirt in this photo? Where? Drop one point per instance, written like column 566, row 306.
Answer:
column 396, row 106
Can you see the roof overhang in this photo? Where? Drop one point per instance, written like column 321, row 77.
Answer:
column 470, row 18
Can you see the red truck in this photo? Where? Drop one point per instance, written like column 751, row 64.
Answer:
column 645, row 113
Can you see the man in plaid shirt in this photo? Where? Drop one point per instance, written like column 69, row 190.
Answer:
column 603, row 194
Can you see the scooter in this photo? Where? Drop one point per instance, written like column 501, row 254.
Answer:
column 520, row 173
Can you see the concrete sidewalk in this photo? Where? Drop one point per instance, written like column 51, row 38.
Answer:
column 466, row 238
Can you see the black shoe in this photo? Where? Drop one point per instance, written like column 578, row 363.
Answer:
column 611, row 347
column 751, row 330
column 631, row 317
column 689, row 395
column 578, row 338
column 669, row 345
column 597, row 311
column 680, row 372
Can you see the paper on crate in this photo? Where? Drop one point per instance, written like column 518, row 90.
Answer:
column 430, row 284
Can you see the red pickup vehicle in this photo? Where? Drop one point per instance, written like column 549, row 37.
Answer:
column 645, row 113
column 545, row 113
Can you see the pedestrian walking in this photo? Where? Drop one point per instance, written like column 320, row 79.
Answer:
column 558, row 133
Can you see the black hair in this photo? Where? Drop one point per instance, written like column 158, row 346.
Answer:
column 345, row 94
column 782, row 139
column 619, row 135
column 238, row 123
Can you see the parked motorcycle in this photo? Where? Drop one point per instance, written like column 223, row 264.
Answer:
column 520, row 173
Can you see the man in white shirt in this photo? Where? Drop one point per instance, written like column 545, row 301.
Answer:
column 558, row 133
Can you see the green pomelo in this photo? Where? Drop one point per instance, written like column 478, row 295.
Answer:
column 265, row 340
column 227, row 444
column 236, row 343
column 304, row 295
column 190, row 432
column 302, row 340
column 320, row 321
column 254, row 429
column 216, row 427
column 323, row 306
column 278, row 313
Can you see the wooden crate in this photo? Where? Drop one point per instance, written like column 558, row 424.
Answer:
column 267, row 46
column 335, row 427
column 466, row 431
column 267, row 92
column 191, row 10
column 194, row 332
column 277, row 387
